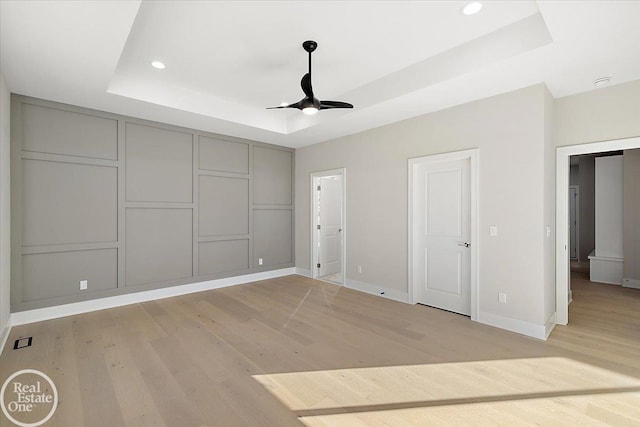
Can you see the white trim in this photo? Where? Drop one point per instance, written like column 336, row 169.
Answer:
column 604, row 258
column 549, row 325
column 514, row 325
column 474, row 158
column 631, row 283
column 4, row 335
column 562, row 213
column 606, row 269
column 314, row 221
column 303, row 272
column 570, row 297
column 377, row 290
column 40, row 314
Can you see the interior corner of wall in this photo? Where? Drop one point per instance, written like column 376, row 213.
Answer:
column 303, row 272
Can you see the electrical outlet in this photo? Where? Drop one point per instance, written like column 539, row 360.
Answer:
column 360, row 269
column 83, row 285
column 502, row 297
column 259, row 261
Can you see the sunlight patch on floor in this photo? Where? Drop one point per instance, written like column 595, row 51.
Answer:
column 620, row 409
column 436, row 393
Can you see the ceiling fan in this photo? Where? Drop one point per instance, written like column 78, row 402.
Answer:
column 310, row 104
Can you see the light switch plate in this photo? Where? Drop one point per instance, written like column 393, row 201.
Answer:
column 493, row 230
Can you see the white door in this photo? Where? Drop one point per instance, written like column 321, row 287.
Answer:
column 573, row 222
column 330, row 220
column 443, row 235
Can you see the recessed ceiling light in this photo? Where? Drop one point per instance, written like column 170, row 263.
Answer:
column 159, row 65
column 472, row 8
column 602, row 81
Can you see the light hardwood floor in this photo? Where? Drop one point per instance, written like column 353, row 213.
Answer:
column 295, row 351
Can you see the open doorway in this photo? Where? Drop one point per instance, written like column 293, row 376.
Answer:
column 328, row 254
column 563, row 238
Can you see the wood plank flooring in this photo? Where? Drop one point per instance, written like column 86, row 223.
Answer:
column 295, row 351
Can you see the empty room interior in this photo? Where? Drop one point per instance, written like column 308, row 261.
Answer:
column 312, row 213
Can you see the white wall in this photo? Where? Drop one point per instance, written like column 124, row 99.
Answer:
column 549, row 248
column 600, row 115
column 509, row 131
column 5, row 222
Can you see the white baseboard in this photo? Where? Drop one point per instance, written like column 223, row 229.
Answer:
column 4, row 335
column 303, row 272
column 631, row 283
column 549, row 325
column 378, row 290
column 40, row 314
column 514, row 325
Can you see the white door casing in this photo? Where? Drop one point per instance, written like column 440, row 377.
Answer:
column 562, row 213
column 442, row 247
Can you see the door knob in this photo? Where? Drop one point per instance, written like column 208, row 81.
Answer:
column 465, row 244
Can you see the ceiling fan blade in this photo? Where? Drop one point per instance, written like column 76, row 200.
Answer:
column 325, row 105
column 294, row 105
column 306, row 85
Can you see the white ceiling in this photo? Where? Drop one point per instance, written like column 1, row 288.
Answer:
column 227, row 61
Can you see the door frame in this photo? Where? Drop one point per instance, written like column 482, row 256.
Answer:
column 314, row 222
column 577, row 188
column 562, row 213
column 474, row 157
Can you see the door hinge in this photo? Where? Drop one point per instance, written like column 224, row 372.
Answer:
column 318, row 226
column 318, row 188
column 318, row 265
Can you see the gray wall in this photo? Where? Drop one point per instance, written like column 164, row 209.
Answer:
column 514, row 144
column 5, row 206
column 631, row 214
column 574, row 170
column 587, row 186
column 131, row 205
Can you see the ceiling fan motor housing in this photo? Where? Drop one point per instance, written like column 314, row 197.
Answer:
column 309, row 45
